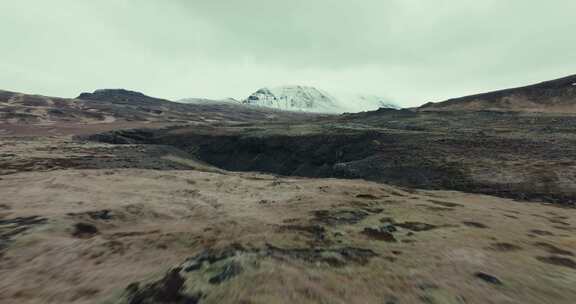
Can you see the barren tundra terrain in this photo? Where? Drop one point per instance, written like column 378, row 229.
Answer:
column 390, row 206
column 147, row 236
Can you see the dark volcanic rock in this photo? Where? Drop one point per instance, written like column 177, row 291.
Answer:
column 221, row 265
column 84, row 230
column 416, row 226
column 553, row 249
column 167, row 290
column 488, row 278
column 335, row 257
column 381, row 233
column 332, row 256
column 558, row 261
column 541, row 232
column 474, row 224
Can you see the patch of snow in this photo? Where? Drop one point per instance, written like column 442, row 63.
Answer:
column 362, row 102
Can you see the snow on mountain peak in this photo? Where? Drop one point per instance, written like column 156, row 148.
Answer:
column 304, row 99
column 310, row 99
column 295, row 98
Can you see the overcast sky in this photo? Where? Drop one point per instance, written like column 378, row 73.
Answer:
column 412, row 51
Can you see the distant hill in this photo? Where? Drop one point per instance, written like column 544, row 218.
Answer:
column 207, row 101
column 122, row 96
column 557, row 95
column 119, row 105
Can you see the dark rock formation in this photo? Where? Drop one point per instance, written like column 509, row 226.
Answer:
column 121, row 96
column 488, row 278
column 167, row 290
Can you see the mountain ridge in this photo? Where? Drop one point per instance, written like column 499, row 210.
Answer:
column 557, row 95
column 107, row 108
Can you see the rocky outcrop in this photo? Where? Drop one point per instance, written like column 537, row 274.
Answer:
column 121, row 96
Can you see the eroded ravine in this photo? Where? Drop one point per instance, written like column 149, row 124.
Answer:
column 427, row 160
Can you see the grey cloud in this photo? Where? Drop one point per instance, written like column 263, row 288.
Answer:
column 412, row 50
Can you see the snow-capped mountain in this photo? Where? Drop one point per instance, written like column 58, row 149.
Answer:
column 304, row 99
column 294, row 98
column 310, row 99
